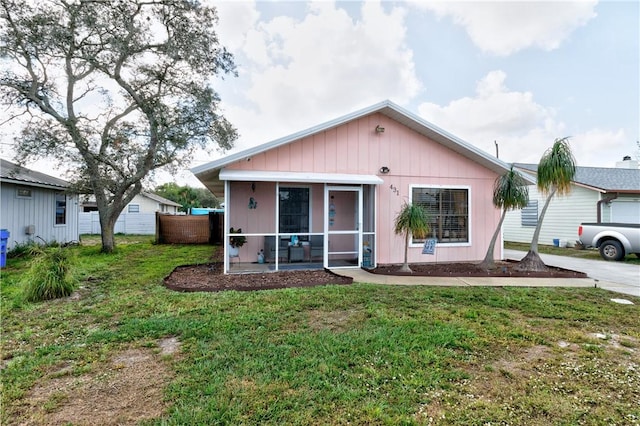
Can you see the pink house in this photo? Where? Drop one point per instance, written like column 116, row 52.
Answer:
column 336, row 188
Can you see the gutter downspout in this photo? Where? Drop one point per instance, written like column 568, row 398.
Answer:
column 599, row 205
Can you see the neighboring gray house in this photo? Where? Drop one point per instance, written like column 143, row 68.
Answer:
column 35, row 206
column 598, row 194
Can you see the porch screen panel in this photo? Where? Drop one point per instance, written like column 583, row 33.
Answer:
column 448, row 210
column 294, row 210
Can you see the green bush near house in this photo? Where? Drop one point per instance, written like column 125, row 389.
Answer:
column 49, row 275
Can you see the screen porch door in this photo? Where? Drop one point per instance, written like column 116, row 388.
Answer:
column 343, row 226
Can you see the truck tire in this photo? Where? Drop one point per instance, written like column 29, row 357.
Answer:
column 611, row 250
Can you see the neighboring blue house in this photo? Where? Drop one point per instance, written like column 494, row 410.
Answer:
column 36, row 207
column 598, row 194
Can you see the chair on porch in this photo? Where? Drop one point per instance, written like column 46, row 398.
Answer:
column 316, row 243
column 234, row 253
column 271, row 250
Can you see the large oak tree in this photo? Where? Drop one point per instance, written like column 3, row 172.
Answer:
column 114, row 89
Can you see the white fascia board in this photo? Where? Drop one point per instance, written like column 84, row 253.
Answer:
column 299, row 177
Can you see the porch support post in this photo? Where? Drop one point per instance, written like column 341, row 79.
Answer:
column 325, row 228
column 277, row 225
column 225, row 241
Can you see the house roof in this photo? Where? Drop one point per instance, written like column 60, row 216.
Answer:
column 603, row 179
column 159, row 199
column 91, row 199
column 13, row 173
column 209, row 173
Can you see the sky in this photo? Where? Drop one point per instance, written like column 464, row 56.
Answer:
column 518, row 73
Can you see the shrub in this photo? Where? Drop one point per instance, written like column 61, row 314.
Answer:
column 23, row 250
column 49, row 275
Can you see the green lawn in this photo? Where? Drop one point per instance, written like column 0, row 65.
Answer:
column 359, row 354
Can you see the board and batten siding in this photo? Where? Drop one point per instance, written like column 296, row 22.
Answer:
column 412, row 160
column 564, row 215
column 17, row 213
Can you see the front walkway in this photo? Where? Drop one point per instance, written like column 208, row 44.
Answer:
column 361, row 276
column 613, row 276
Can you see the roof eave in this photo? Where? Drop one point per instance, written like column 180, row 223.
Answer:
column 34, row 184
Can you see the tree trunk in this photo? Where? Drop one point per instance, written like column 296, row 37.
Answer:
column 488, row 262
column 107, row 226
column 405, row 265
column 532, row 261
column 536, row 234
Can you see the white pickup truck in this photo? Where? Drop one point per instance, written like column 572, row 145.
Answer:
column 614, row 240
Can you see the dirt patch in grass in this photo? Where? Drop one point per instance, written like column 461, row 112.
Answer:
column 562, row 382
column 125, row 391
column 338, row 320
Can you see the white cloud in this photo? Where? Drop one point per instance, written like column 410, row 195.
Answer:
column 235, row 19
column 496, row 114
column 600, row 147
column 298, row 72
column 505, row 27
column 523, row 128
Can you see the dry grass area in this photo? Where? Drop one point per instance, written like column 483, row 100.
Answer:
column 124, row 391
column 544, row 384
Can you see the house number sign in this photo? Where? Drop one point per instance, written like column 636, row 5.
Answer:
column 429, row 246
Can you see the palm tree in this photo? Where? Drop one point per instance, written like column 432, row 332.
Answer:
column 412, row 220
column 510, row 191
column 556, row 170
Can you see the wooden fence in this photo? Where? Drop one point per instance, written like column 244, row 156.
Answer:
column 168, row 228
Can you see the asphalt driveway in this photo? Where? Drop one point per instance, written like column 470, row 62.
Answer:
column 615, row 276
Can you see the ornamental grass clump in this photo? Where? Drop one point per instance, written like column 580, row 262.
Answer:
column 49, row 275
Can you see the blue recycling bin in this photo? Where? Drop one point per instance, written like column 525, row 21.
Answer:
column 4, row 238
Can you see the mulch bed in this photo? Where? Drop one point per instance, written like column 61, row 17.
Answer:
column 503, row 269
column 209, row 277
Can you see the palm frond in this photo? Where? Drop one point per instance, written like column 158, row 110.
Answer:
column 510, row 191
column 414, row 219
column 557, row 168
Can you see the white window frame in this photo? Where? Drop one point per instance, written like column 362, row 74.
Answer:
column 469, row 213
column 133, row 205
column 55, row 209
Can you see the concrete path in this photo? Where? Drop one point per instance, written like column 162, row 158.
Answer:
column 362, row 276
column 593, row 268
column 615, row 276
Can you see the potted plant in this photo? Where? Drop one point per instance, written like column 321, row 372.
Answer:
column 235, row 242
